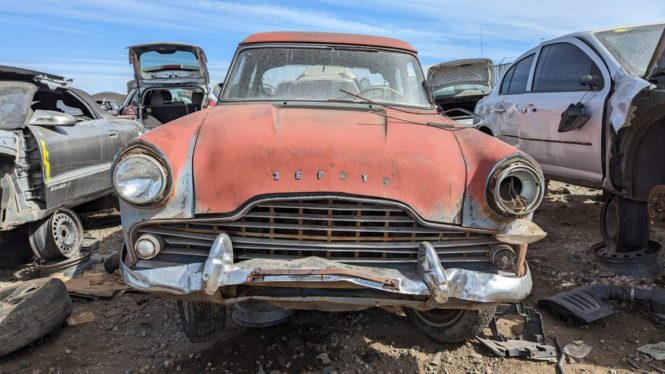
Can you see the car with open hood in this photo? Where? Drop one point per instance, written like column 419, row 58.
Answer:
column 327, row 179
column 170, row 81
column 56, row 152
column 458, row 85
column 590, row 108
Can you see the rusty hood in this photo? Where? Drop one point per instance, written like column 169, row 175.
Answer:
column 250, row 150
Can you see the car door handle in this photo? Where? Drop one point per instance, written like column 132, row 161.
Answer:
column 113, row 133
column 529, row 108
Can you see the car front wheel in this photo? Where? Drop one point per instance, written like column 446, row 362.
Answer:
column 450, row 325
column 201, row 321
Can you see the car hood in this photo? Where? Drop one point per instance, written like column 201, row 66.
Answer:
column 166, row 65
column 469, row 71
column 245, row 151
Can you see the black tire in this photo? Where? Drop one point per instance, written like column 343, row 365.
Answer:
column 60, row 235
column 201, row 321
column 450, row 325
column 39, row 307
column 624, row 224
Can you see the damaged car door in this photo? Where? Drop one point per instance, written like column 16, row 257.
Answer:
column 568, row 74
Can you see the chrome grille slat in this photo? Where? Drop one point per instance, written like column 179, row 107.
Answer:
column 336, row 229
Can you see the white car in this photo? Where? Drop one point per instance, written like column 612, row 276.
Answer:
column 590, row 108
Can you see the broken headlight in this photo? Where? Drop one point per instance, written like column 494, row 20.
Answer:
column 139, row 179
column 515, row 188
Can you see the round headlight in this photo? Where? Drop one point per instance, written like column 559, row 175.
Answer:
column 516, row 189
column 139, row 179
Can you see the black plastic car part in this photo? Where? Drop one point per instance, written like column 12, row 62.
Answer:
column 587, row 304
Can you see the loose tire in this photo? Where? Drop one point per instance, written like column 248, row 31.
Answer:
column 624, row 224
column 201, row 321
column 30, row 310
column 60, row 235
column 451, row 325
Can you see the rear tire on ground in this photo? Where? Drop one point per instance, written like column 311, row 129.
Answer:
column 30, row 310
column 624, row 224
column 450, row 325
column 201, row 321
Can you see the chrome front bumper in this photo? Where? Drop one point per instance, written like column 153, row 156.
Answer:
column 428, row 279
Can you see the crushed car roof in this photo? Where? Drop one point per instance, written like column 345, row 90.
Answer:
column 327, row 38
column 27, row 75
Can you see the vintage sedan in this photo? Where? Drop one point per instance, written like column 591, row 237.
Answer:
column 326, row 179
column 56, row 152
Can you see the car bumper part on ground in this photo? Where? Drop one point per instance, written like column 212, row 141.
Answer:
column 428, row 279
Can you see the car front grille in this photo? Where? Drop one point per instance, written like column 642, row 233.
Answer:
column 357, row 232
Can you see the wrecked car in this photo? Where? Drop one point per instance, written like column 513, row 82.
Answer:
column 171, row 81
column 327, row 179
column 458, row 85
column 590, row 108
column 56, row 151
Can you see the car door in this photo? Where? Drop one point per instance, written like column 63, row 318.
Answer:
column 76, row 160
column 504, row 114
column 556, row 84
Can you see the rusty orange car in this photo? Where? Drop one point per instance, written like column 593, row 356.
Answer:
column 327, row 179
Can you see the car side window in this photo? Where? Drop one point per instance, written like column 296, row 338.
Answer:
column 514, row 82
column 560, row 67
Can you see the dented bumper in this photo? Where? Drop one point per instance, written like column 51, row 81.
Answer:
column 428, row 280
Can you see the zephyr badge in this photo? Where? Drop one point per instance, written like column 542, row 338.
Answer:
column 320, row 174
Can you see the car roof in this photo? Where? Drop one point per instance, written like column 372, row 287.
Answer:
column 327, row 38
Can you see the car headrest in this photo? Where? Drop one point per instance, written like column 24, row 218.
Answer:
column 160, row 98
column 197, row 98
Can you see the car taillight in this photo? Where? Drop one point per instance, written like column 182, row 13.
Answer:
column 212, row 103
column 129, row 111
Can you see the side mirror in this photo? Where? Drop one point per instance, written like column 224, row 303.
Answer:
column 51, row 118
column 573, row 118
column 592, row 81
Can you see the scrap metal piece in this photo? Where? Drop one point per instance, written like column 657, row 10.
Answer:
column 577, row 350
column 520, row 348
column 529, row 344
column 561, row 362
column 657, row 351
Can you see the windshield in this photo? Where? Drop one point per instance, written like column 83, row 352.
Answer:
column 157, row 64
column 632, row 47
column 323, row 74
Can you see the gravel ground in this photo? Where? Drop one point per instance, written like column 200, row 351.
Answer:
column 138, row 333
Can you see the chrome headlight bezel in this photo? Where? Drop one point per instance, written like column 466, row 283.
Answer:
column 150, row 159
column 515, row 187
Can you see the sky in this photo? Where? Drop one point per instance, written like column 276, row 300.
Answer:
column 87, row 40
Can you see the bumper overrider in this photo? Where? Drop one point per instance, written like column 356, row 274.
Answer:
column 426, row 285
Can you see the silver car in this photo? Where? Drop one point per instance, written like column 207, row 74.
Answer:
column 590, row 108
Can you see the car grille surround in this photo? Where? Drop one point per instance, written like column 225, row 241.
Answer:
column 346, row 230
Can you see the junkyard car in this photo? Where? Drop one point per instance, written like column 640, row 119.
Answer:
column 171, row 81
column 326, row 179
column 56, row 151
column 590, row 108
column 458, row 85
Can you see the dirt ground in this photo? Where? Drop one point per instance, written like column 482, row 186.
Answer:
column 137, row 333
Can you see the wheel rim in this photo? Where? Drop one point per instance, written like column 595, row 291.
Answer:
column 66, row 231
column 440, row 318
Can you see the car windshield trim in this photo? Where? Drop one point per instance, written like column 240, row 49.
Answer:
column 227, row 96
